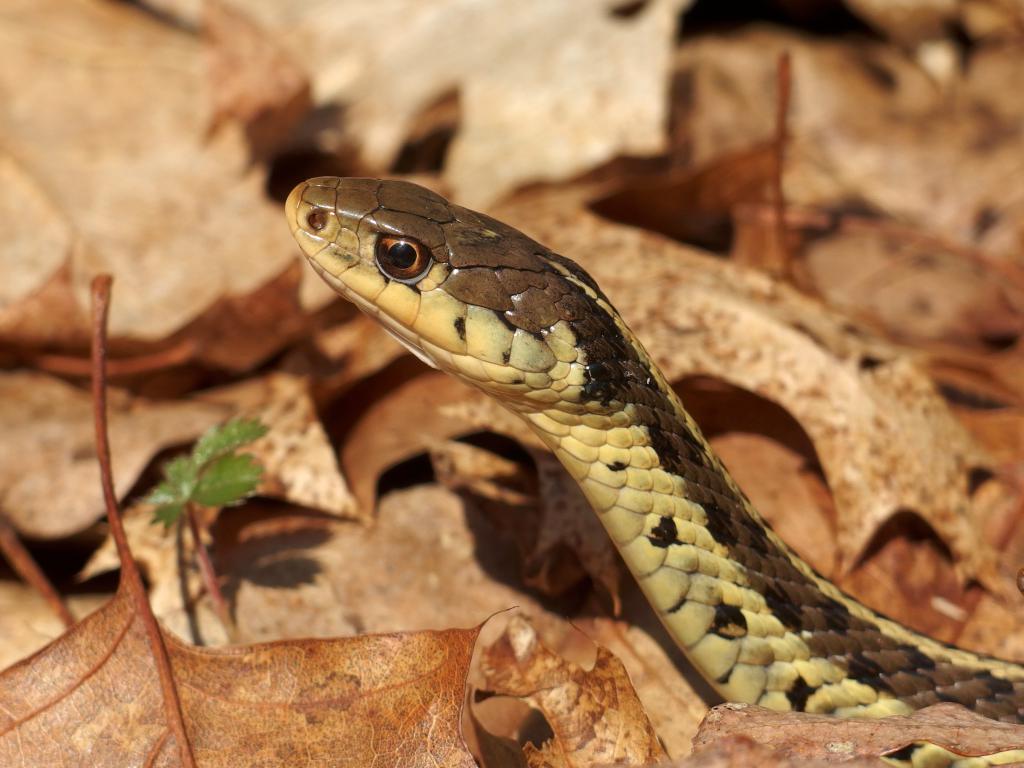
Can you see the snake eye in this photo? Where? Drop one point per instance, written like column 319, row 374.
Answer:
column 402, row 259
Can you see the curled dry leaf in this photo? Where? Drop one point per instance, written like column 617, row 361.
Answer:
column 595, row 715
column 386, row 700
column 125, row 186
column 885, row 438
column 800, row 736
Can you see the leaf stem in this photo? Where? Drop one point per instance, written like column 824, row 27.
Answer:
column 131, row 579
column 26, row 567
column 209, row 575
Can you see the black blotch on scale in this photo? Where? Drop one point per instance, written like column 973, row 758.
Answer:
column 664, row 534
column 729, row 621
column 617, row 466
column 460, row 327
column 799, row 693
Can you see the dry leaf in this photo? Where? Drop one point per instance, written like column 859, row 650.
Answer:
column 672, row 694
column 47, row 459
column 800, row 735
column 518, row 124
column 256, row 82
column 298, row 460
column 595, row 715
column 179, row 218
column 383, row 700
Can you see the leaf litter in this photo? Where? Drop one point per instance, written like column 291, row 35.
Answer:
column 872, row 414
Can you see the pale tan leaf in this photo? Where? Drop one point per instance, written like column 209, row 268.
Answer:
column 124, row 105
column 297, row 457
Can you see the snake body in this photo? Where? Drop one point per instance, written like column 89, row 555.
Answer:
column 484, row 302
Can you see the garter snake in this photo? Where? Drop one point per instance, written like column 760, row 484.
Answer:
column 482, row 301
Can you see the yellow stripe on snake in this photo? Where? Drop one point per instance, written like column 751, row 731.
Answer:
column 482, row 301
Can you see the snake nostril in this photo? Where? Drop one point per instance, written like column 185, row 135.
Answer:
column 317, row 220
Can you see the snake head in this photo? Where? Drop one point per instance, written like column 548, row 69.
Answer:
column 464, row 292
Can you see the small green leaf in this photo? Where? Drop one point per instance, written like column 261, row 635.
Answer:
column 181, row 475
column 164, row 493
column 226, row 438
column 228, row 480
column 168, row 514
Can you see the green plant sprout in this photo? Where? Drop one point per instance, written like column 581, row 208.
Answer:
column 213, row 475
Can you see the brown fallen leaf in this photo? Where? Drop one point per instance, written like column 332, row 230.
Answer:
column 797, row 735
column 387, row 700
column 595, row 715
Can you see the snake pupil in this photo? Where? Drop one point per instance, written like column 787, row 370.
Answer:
column 402, row 255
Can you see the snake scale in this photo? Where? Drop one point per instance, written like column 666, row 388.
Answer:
column 482, row 301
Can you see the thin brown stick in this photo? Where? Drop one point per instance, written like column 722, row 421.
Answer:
column 783, row 81
column 71, row 365
column 131, row 580
column 209, row 575
column 26, row 567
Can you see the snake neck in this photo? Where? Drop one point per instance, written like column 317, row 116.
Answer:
column 755, row 619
